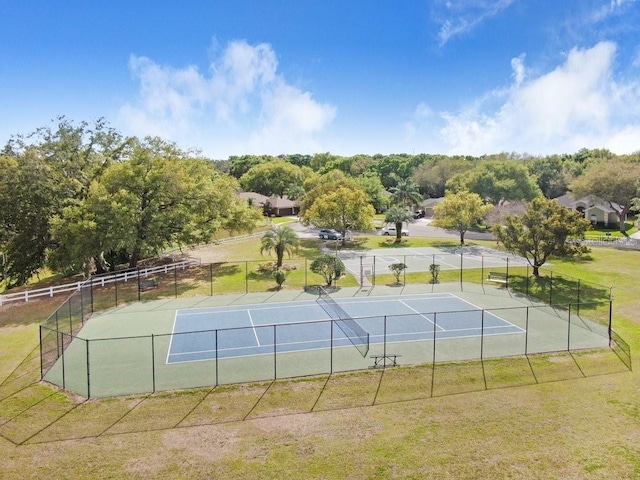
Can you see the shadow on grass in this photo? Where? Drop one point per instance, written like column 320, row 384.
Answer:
column 37, row 414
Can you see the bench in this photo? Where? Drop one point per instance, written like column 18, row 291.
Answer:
column 147, row 284
column 380, row 361
column 497, row 277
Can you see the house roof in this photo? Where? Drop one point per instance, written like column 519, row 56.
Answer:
column 275, row 202
column 591, row 201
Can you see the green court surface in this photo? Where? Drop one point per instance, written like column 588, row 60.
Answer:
column 125, row 350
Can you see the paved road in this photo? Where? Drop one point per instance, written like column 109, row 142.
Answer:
column 420, row 228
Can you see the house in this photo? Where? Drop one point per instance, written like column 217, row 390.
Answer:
column 428, row 204
column 594, row 209
column 272, row 206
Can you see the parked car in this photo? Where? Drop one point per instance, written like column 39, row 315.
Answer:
column 418, row 214
column 330, row 234
column 391, row 230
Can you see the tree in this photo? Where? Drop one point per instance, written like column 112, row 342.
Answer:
column 398, row 216
column 433, row 175
column 159, row 197
column 616, row 181
column 405, row 192
column 280, row 240
column 317, row 185
column 550, row 175
column 44, row 173
column 28, row 199
column 378, row 196
column 343, row 208
column 460, row 211
column 273, row 178
column 496, row 182
column 397, row 269
column 329, row 266
column 545, row 229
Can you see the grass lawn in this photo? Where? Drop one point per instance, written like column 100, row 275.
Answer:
column 551, row 416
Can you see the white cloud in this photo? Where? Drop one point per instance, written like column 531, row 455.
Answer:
column 576, row 105
column 240, row 103
column 517, row 64
column 462, row 16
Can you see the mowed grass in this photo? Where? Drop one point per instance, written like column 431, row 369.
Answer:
column 550, row 416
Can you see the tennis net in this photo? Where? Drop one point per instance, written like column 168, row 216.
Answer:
column 354, row 332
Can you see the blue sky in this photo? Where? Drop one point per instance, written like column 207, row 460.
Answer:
column 234, row 77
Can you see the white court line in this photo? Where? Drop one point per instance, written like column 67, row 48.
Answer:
column 419, row 313
column 253, row 326
column 490, row 312
column 240, row 308
column 173, row 331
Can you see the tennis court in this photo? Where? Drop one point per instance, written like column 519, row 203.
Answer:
column 236, row 331
column 196, row 342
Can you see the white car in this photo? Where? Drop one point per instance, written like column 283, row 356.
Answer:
column 391, row 230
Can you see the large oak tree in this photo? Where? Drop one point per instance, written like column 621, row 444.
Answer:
column 545, row 229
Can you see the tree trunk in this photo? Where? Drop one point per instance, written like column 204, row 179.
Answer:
column 536, row 271
column 135, row 256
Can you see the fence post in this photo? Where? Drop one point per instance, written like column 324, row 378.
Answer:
column 551, row 287
column 88, row 374
column 246, row 276
column 404, row 271
column 153, row 364
column 507, row 279
column 569, row 330
column 331, row 350
column 373, row 278
column 526, row 333
column 217, row 371
column 138, row 277
column 42, row 355
column 211, row 277
column 578, row 306
column 384, row 341
column 433, row 361
column 175, row 280
column 275, row 353
column 461, row 267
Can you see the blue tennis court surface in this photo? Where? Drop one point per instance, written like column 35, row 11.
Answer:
column 236, row 331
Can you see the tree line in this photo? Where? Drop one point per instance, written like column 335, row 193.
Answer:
column 83, row 197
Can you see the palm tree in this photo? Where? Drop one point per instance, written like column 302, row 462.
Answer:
column 398, row 215
column 406, row 192
column 281, row 240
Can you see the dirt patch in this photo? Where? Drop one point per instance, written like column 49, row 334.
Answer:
column 349, row 426
column 212, row 442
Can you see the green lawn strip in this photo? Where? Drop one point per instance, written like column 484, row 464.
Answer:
column 399, row 384
column 158, row 411
column 457, row 377
column 555, row 367
column 288, row 397
column 226, row 403
column 87, row 419
column 349, row 390
column 599, row 362
column 508, row 372
column 31, row 410
column 19, row 352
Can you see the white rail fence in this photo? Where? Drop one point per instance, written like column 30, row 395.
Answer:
column 100, row 281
